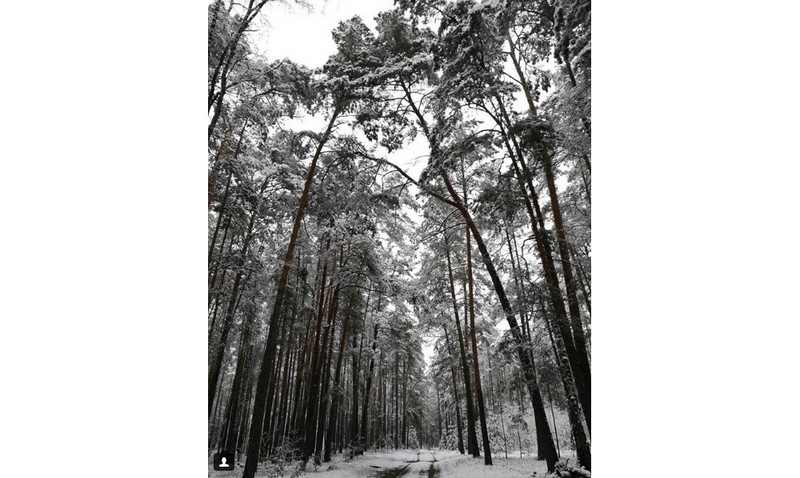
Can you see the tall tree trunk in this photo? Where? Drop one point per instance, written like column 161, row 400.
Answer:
column 317, row 365
column 438, row 412
column 224, row 201
column 472, row 439
column 244, row 421
column 214, row 273
column 259, row 408
column 364, row 420
column 272, row 402
column 395, row 403
column 541, row 437
column 296, row 349
column 337, row 383
column 281, row 395
column 456, row 202
column 583, row 281
column 216, row 366
column 455, row 392
column 537, row 225
column 487, row 452
column 502, row 421
column 229, row 427
column 492, row 386
column 521, row 346
column 404, row 426
column 322, row 413
column 553, row 416
column 563, row 249
column 356, row 367
column 572, row 289
column 382, row 400
column 576, row 417
column 297, row 410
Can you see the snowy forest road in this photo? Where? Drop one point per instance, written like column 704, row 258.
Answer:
column 436, row 464
column 423, row 467
column 408, row 463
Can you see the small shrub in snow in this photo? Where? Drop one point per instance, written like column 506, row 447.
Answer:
column 353, row 450
column 413, row 441
column 565, row 470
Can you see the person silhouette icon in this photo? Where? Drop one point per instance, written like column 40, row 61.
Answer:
column 224, row 461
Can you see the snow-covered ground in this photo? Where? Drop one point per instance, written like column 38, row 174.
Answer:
column 409, row 463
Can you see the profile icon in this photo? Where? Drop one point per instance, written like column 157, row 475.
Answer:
column 223, row 461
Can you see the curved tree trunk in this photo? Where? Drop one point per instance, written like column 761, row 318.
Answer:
column 521, row 346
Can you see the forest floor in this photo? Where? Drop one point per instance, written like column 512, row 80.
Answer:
column 408, row 463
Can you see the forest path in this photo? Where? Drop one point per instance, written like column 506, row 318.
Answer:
column 422, row 466
column 393, row 472
column 409, row 464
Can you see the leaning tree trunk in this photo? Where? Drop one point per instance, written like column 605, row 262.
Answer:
column 521, row 346
column 563, row 249
column 516, row 269
column 577, row 424
column 543, row 246
column 522, row 352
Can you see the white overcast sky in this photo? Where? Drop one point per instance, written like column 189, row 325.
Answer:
column 304, row 36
